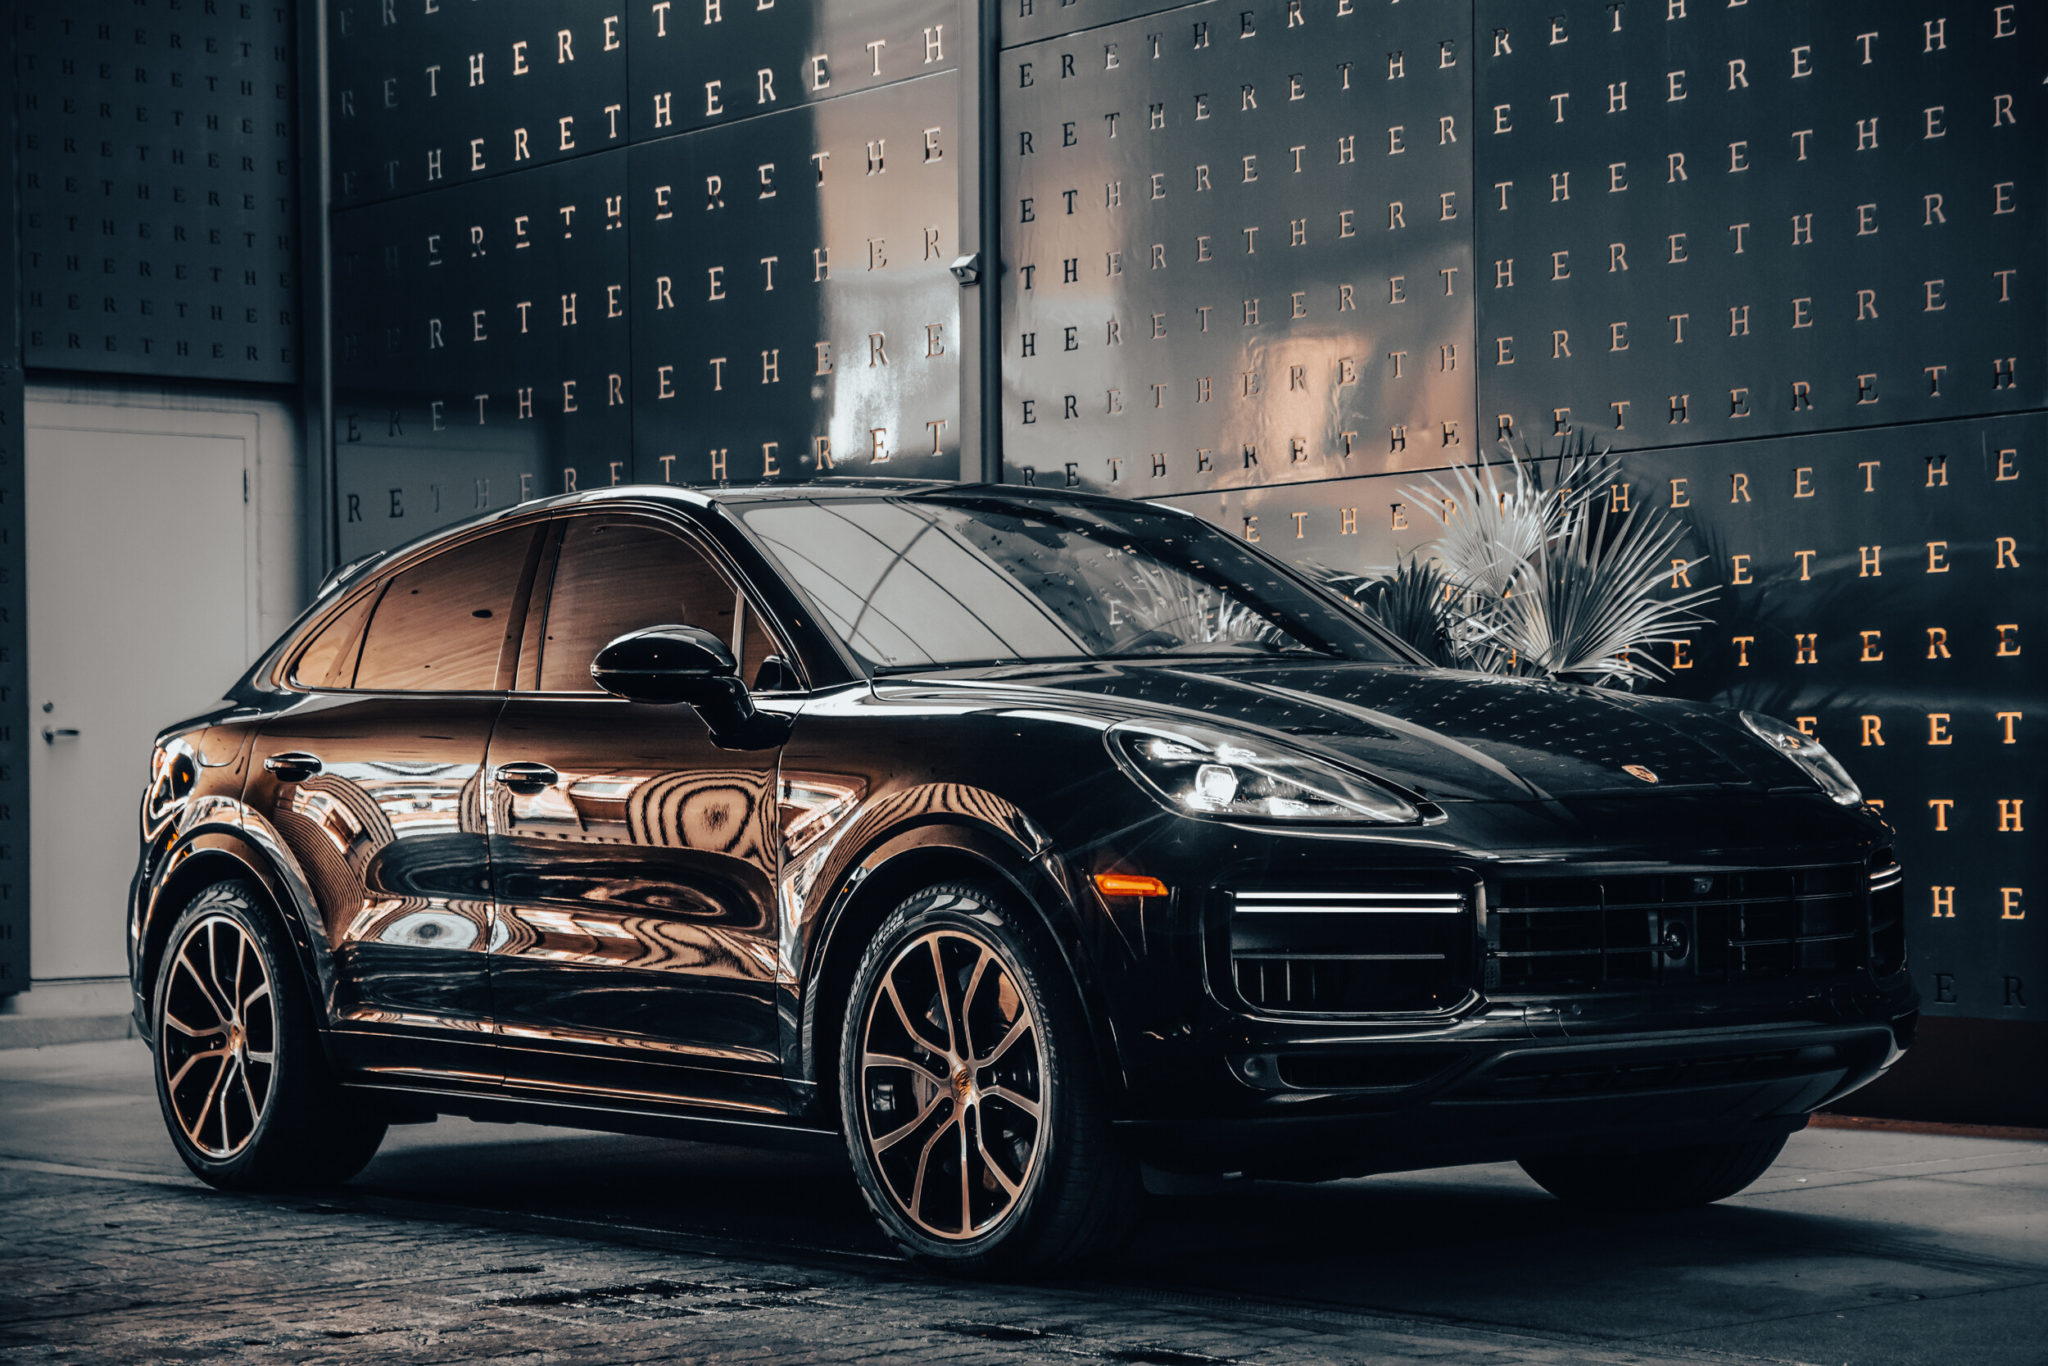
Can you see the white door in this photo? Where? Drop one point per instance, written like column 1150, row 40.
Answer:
column 138, row 616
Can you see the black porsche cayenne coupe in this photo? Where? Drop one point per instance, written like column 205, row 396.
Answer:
column 1016, row 841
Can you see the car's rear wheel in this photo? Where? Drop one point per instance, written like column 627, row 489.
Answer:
column 1672, row 1178
column 244, row 1090
column 970, row 1096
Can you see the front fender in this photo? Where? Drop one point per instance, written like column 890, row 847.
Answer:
column 837, row 892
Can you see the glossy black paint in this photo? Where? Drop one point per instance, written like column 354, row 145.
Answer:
column 605, row 911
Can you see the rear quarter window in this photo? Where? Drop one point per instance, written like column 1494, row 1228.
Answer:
column 441, row 625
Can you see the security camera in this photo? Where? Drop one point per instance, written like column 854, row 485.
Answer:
column 967, row 270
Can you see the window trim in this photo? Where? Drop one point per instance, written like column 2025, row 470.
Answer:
column 536, row 528
column 745, row 596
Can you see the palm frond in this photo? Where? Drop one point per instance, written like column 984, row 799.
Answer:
column 1493, row 520
column 1536, row 574
column 1589, row 605
column 1411, row 600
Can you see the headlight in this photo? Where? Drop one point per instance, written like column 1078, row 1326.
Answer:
column 1807, row 752
column 1201, row 772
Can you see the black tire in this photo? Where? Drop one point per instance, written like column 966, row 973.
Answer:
column 239, row 1122
column 1674, row 1178
column 1075, row 1196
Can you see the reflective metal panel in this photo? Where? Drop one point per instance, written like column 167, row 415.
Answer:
column 792, row 311
column 1237, row 247
column 1748, row 220
column 696, row 66
column 424, row 96
column 634, row 888
column 481, row 348
column 388, row 826
column 787, row 178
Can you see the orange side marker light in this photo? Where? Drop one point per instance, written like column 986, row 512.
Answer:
column 1129, row 884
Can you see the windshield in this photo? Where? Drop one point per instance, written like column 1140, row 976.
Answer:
column 955, row 579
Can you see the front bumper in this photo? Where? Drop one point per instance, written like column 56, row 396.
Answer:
column 1346, row 1107
column 1217, row 1078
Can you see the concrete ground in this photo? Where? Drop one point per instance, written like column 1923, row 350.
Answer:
column 465, row 1241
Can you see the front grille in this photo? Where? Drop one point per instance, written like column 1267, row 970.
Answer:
column 1636, row 930
column 1314, row 952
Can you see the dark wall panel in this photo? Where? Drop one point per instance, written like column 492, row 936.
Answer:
column 423, row 96
column 1758, row 219
column 793, row 312
column 482, row 348
column 158, row 193
column 697, row 65
column 1237, row 246
column 578, row 245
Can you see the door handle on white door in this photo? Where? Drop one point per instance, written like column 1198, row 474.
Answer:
column 52, row 734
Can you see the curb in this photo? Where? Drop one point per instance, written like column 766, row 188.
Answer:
column 39, row 1031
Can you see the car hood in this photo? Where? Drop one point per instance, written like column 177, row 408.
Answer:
column 1447, row 735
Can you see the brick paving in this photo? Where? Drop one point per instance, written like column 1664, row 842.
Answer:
column 467, row 1242
column 150, row 1270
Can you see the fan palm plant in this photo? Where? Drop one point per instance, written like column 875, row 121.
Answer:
column 1539, row 576
column 1410, row 600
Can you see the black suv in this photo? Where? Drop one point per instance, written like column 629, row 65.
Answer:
column 1013, row 839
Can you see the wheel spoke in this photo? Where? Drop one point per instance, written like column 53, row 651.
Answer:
column 945, row 998
column 213, row 1002
column 1018, row 1028
column 188, row 1031
column 205, row 1106
column 924, row 1161
column 248, row 1097
column 883, row 1142
column 871, row 1059
column 966, row 1197
column 967, row 1003
column 241, row 961
column 1010, row 1188
column 225, row 1140
column 889, row 990
column 221, row 990
column 259, row 993
column 211, row 1055
column 1009, row 1097
column 267, row 1058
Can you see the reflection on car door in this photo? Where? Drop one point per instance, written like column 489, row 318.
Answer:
column 374, row 783
column 633, row 860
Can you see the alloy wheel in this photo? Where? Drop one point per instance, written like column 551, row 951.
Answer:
column 953, row 1085
column 217, row 1041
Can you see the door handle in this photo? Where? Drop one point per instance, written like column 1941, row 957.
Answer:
column 526, row 778
column 51, row 735
column 293, row 766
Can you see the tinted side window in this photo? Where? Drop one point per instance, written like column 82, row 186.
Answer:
column 440, row 626
column 615, row 577
column 329, row 661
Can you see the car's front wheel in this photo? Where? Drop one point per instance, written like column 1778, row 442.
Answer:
column 1671, row 1178
column 970, row 1096
column 244, row 1090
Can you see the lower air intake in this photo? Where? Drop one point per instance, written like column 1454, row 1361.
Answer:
column 1326, row 952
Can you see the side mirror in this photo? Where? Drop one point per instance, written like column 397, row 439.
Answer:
column 677, row 663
